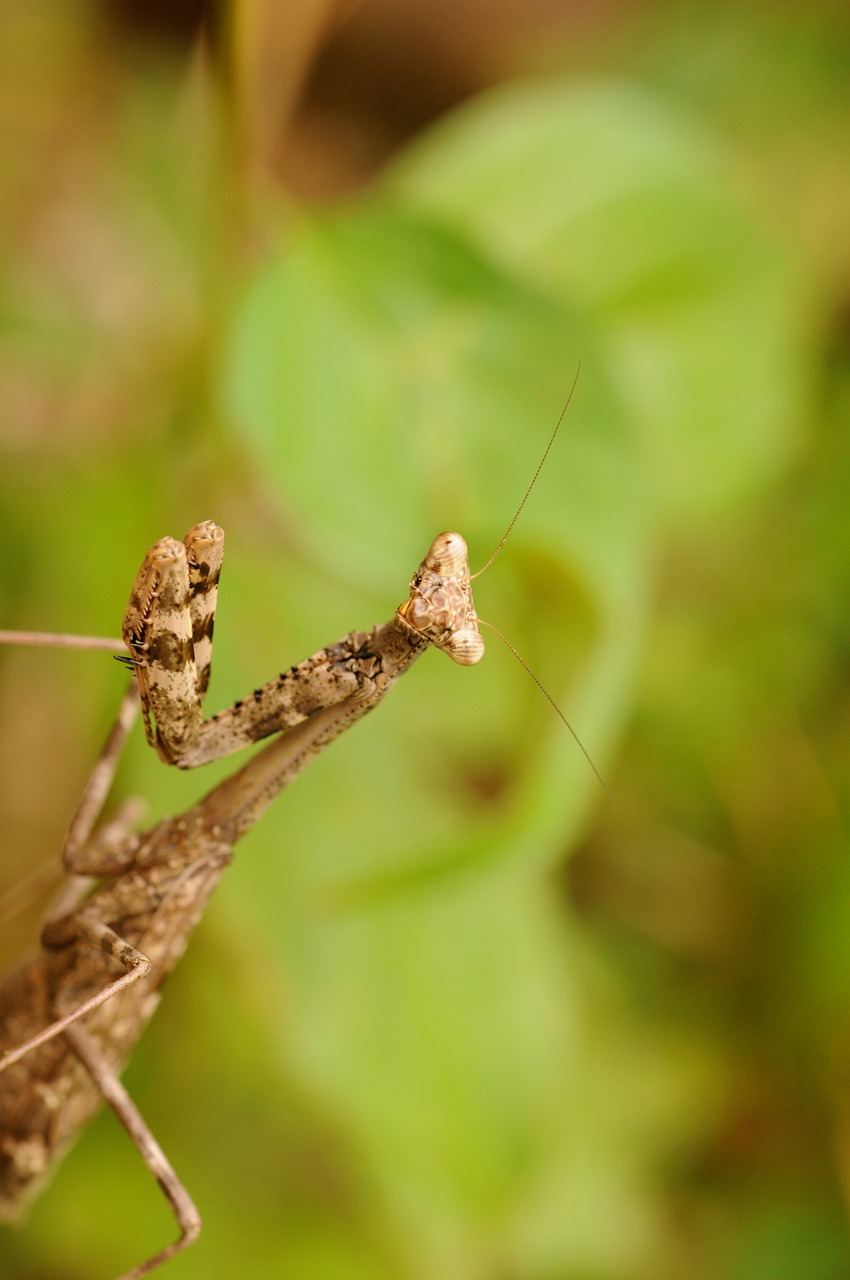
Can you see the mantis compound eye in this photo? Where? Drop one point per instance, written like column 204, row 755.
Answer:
column 448, row 556
column 465, row 647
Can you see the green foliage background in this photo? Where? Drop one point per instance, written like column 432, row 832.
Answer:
column 409, row 1041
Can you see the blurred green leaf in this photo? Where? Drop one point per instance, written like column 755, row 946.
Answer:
column 612, row 195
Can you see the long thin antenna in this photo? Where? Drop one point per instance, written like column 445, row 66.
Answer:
column 507, row 532
column 547, row 695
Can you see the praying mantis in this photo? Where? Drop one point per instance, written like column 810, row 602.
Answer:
column 70, row 1018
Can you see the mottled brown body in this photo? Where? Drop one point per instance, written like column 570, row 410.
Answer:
column 49, row 1095
column 70, row 1017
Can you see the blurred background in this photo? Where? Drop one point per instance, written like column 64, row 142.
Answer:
column 324, row 272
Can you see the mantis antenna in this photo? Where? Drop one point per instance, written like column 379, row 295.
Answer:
column 546, row 694
column 546, row 452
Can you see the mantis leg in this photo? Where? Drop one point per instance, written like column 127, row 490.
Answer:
column 106, row 1078
column 86, row 928
column 168, row 628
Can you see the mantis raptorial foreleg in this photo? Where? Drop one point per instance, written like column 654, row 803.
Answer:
column 168, row 630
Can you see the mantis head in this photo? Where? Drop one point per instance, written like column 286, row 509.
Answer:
column 440, row 605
